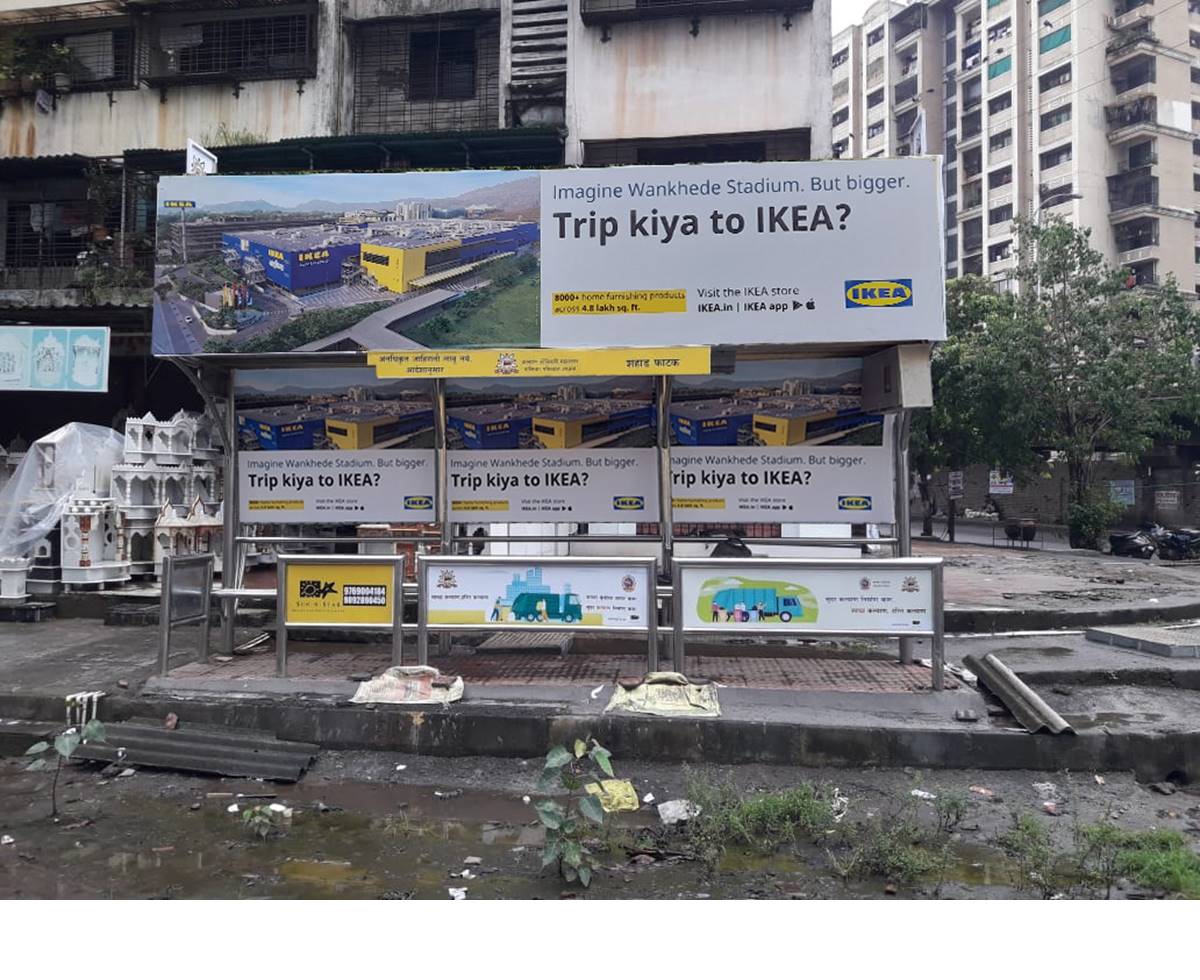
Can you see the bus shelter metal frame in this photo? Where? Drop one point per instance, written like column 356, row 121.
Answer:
column 167, row 620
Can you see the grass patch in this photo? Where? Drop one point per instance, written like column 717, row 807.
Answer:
column 504, row 313
column 1159, row 859
column 305, row 329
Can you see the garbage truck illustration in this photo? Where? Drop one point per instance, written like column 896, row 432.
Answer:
column 739, row 600
column 542, row 607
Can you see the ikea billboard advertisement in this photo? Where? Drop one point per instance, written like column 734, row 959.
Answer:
column 780, row 253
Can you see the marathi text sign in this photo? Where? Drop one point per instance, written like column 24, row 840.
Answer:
column 540, row 362
column 537, row 594
column 776, row 595
column 336, row 486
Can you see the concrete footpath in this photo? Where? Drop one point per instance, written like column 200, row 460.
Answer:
column 800, row 704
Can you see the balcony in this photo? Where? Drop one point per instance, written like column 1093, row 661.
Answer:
column 1128, row 39
column 594, row 12
column 1134, row 189
column 906, row 91
column 1128, row 13
column 1057, row 173
column 972, row 245
column 1118, row 117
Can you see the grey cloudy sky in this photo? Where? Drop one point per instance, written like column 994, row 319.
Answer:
column 847, row 12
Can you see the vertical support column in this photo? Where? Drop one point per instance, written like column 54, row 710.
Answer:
column 422, row 618
column 937, row 653
column 398, row 611
column 666, row 521
column 652, row 621
column 900, row 431
column 441, row 474
column 229, row 548
column 677, row 648
column 281, row 618
column 209, row 572
column 164, row 617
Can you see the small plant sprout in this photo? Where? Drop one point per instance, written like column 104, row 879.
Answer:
column 63, row 747
column 581, row 818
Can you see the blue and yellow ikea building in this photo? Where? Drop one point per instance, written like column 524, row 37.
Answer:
column 295, row 262
column 710, row 422
column 491, row 426
column 283, row 427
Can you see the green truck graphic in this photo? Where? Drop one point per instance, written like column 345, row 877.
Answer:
column 535, row 606
column 732, row 599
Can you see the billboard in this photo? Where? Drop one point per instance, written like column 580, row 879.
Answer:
column 640, row 256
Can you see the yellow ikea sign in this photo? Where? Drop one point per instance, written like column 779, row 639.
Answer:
column 878, row 292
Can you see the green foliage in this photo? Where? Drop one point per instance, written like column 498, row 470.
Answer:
column 1090, row 518
column 63, row 747
column 263, row 821
column 305, row 329
column 573, row 824
column 224, row 135
column 1158, row 859
column 950, row 807
column 505, row 312
column 1038, row 865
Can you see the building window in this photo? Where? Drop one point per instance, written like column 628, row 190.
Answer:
column 875, row 36
column 841, row 57
column 841, row 116
column 1052, row 158
column 840, row 148
column 952, row 151
column 1001, row 214
column 951, row 48
column 1055, row 39
column 1000, row 31
column 375, row 258
column 1000, row 251
column 875, row 129
column 999, row 103
column 1053, row 79
column 1055, row 117
column 1000, row 140
column 1000, row 178
column 1000, row 66
column 441, row 66
column 249, row 47
column 1045, row 6
column 1058, row 194
column 874, row 98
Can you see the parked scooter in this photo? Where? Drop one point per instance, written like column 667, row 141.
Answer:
column 1173, row 544
column 1133, row 544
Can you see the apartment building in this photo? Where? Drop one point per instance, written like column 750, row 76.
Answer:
column 1088, row 109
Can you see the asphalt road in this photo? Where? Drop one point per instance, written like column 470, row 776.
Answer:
column 174, row 334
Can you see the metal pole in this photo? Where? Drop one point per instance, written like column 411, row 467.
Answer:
column 677, row 651
column 281, row 618
column 903, row 535
column 666, row 517
column 209, row 570
column 164, row 618
column 652, row 620
column 229, row 546
column 937, row 654
column 398, row 611
column 422, row 618
column 442, row 477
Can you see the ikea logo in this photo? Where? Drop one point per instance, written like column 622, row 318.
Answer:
column 629, row 503
column 878, row 292
column 851, row 502
column 421, row 502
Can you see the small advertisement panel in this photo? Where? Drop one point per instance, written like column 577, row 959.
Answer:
column 579, row 450
column 68, row 359
column 781, row 439
column 333, row 446
column 537, row 595
column 778, row 596
column 350, row 593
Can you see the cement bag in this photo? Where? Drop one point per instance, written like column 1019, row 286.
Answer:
column 409, row 685
column 33, row 501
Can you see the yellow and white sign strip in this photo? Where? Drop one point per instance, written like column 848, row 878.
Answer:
column 543, row 362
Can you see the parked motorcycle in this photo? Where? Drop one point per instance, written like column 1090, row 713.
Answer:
column 1173, row 544
column 1132, row 544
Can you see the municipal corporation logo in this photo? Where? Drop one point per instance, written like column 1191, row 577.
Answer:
column 506, row 363
column 446, row 579
column 629, row 503
column 878, row 292
column 851, row 502
column 628, row 583
column 421, row 502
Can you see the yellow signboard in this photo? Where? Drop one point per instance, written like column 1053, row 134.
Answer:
column 540, row 362
column 620, row 301
column 341, row 593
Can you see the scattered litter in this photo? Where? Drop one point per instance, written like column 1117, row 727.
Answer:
column 458, row 894
column 889, row 889
column 965, row 714
column 78, row 825
column 1051, row 808
column 122, row 683
column 924, row 794
column 126, row 772
column 467, row 874
column 194, row 806
column 171, row 722
column 1047, row 791
column 616, row 795
column 596, row 691
column 525, row 800
column 165, row 849
column 409, row 685
column 222, row 659
column 982, row 791
column 447, row 794
column 668, row 694
column 677, row 811
column 648, row 798
column 7, row 840
column 232, row 808
column 1099, row 780
column 400, row 767
column 1154, row 600
column 284, row 811
column 472, row 860
column 642, row 859
column 218, row 796
column 1165, row 788
column 840, row 805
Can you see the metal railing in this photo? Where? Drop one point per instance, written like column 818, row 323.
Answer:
column 185, row 599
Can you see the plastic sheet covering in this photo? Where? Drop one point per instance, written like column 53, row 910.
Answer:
column 32, row 502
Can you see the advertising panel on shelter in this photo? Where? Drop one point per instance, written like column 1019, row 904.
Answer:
column 579, row 450
column 545, row 594
column 780, row 439
column 349, row 593
column 639, row 256
column 794, row 598
column 333, row 445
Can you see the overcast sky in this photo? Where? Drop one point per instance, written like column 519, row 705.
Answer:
column 847, row 12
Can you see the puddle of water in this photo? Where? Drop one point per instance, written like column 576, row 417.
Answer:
column 1111, row 719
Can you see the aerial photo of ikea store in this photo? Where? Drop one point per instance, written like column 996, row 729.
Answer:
column 399, row 256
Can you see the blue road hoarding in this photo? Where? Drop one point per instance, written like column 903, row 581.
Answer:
column 70, row 359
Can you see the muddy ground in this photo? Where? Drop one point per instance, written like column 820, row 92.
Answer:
column 364, row 828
